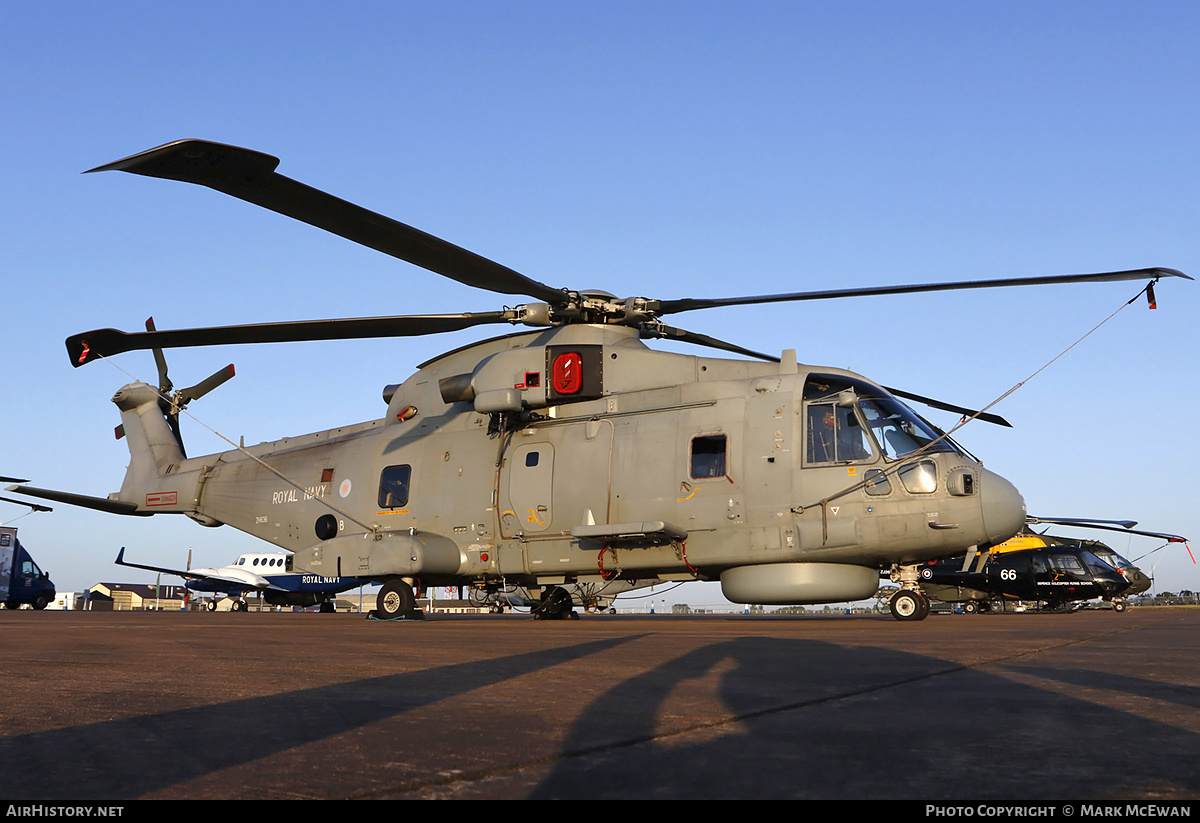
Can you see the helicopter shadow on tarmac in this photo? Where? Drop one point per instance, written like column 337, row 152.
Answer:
column 138, row 756
column 750, row 717
column 808, row 719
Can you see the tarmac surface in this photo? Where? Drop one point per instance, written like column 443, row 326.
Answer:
column 125, row 705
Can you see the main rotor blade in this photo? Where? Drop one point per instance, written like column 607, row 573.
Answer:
column 88, row 346
column 692, row 303
column 250, row 175
column 661, row 330
column 987, row 417
column 34, row 506
column 1120, row 526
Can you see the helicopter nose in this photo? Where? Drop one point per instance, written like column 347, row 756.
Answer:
column 1002, row 506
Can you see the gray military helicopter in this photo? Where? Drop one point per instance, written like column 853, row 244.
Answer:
column 570, row 452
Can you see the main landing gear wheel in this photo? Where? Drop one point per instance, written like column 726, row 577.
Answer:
column 556, row 605
column 1119, row 606
column 970, row 607
column 907, row 604
column 395, row 599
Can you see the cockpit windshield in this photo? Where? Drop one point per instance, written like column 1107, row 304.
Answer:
column 1112, row 558
column 1097, row 565
column 896, row 428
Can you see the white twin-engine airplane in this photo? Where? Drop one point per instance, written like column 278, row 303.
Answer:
column 267, row 573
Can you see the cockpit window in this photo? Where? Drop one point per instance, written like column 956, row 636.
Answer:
column 896, row 428
column 1113, row 559
column 1097, row 565
column 835, row 435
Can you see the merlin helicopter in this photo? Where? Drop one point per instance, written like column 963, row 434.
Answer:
column 1058, row 573
column 569, row 452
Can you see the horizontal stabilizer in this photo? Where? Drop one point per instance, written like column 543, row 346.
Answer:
column 102, row 504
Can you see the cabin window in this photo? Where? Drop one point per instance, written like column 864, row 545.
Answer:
column 708, row 456
column 393, row 487
column 1066, row 563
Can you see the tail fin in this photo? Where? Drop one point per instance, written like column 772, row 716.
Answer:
column 153, row 448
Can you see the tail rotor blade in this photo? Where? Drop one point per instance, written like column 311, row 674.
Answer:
column 205, row 386
column 164, row 383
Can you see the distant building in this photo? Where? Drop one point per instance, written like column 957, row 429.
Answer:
column 126, row 597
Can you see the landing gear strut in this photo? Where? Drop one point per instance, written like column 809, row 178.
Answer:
column 909, row 603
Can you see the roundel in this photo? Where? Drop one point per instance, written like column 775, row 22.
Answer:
column 926, row 572
column 344, row 489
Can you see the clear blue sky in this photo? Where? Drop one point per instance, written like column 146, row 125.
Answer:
column 664, row 149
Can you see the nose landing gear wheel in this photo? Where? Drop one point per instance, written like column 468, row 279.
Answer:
column 907, row 604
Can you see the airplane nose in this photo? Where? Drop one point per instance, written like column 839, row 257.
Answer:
column 1002, row 506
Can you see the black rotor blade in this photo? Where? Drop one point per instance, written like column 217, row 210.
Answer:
column 987, row 417
column 206, row 385
column 88, row 346
column 160, row 361
column 250, row 175
column 662, row 307
column 12, row 480
column 1105, row 525
column 34, row 506
column 661, row 330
